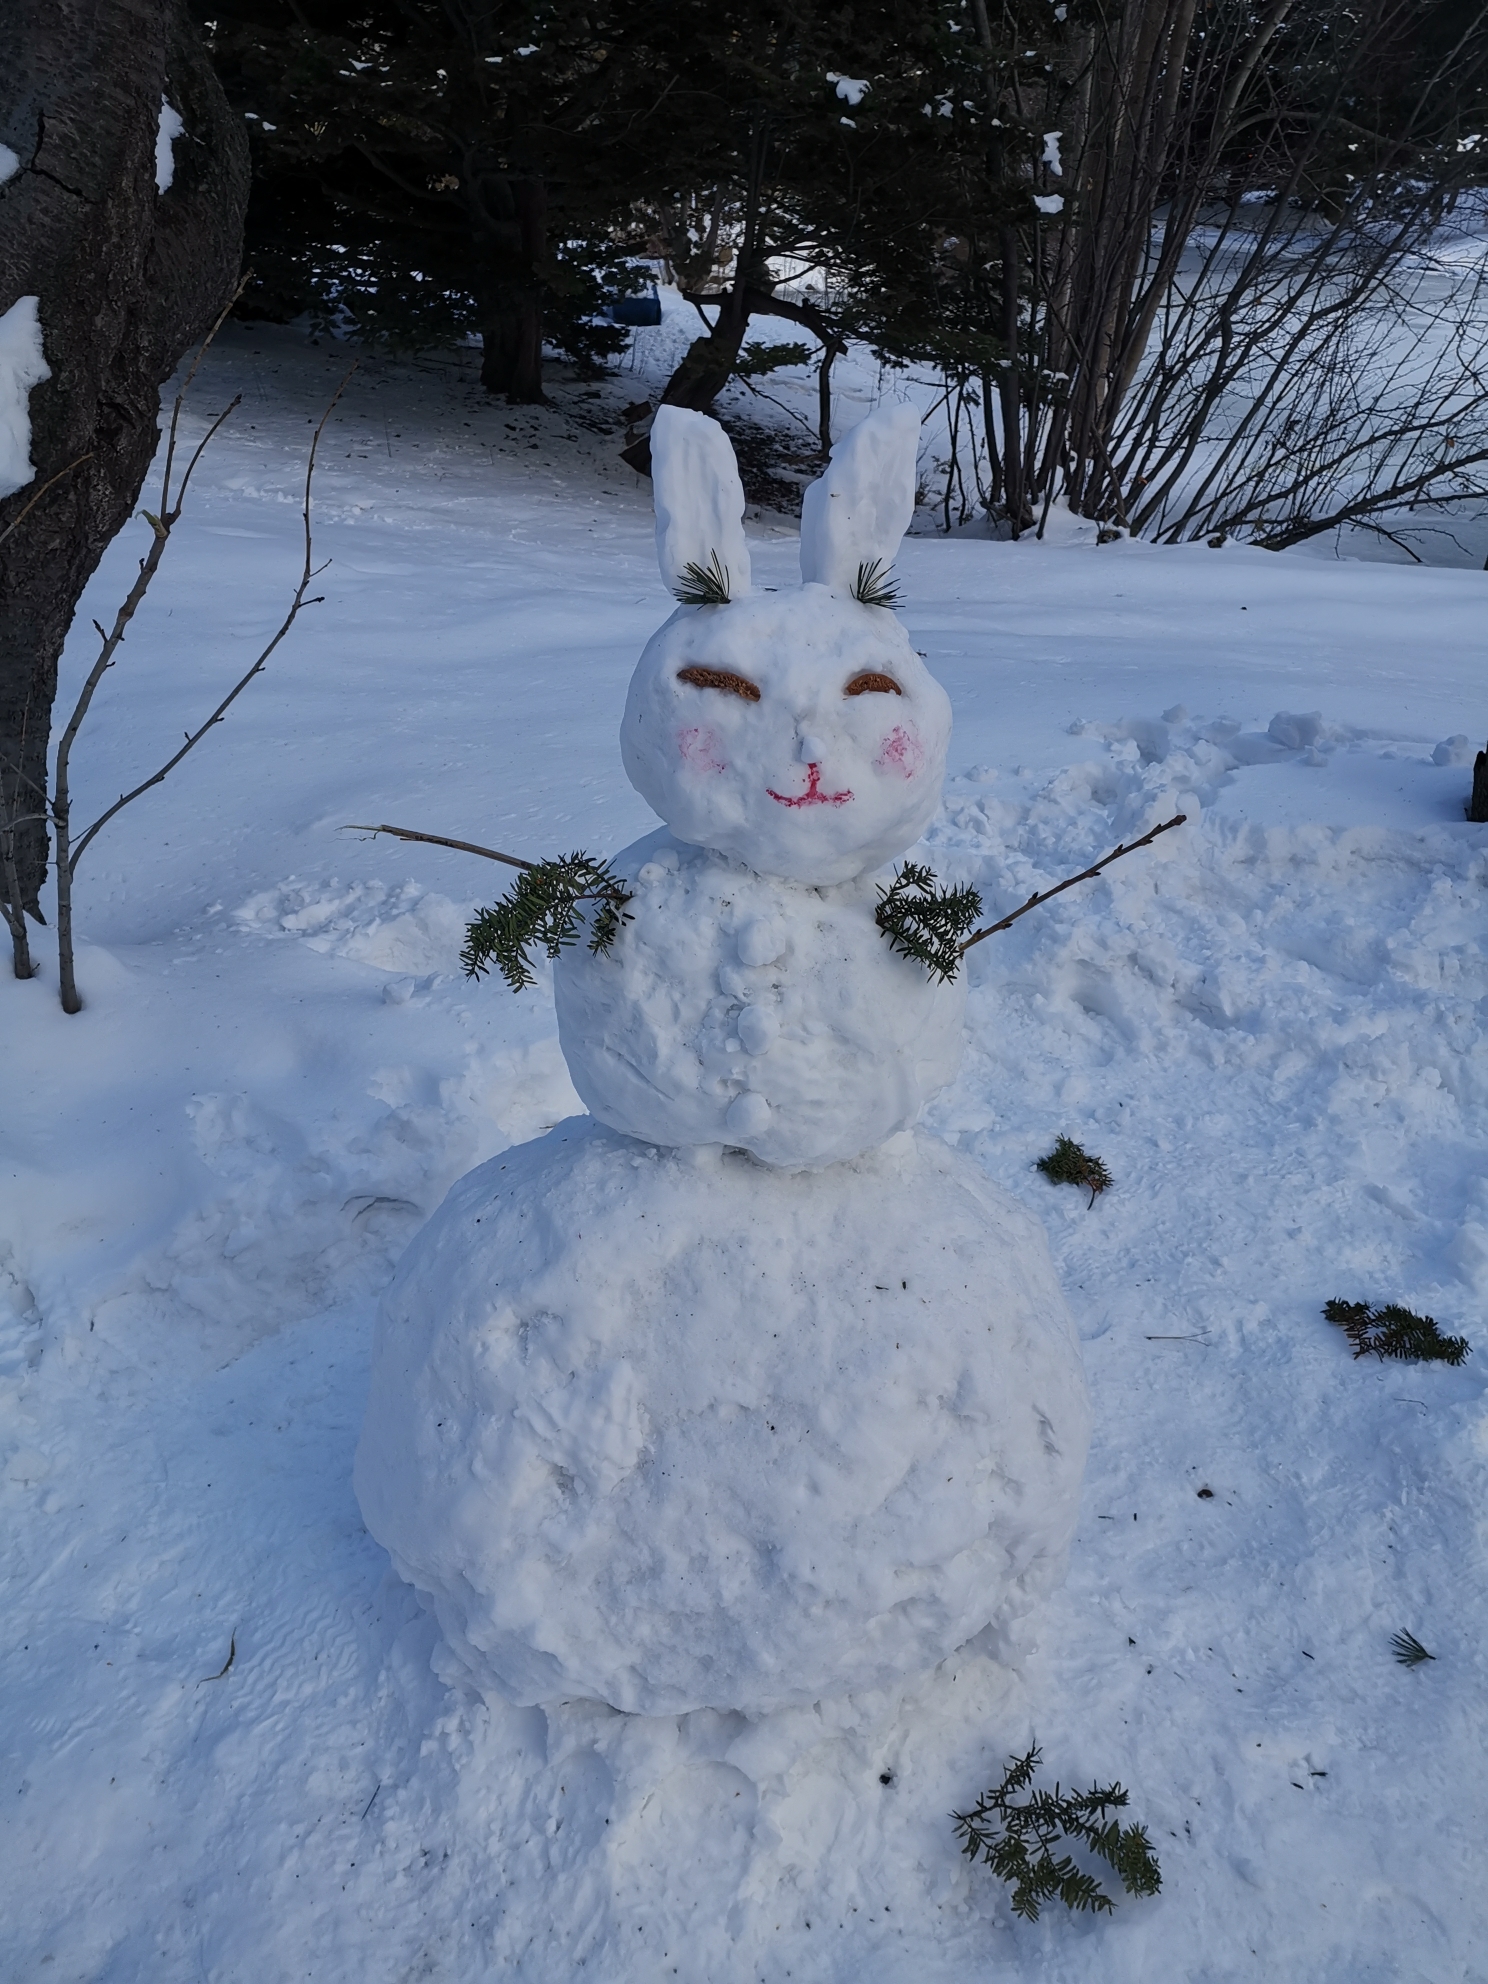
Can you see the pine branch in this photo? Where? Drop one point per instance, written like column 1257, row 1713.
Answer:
column 1394, row 1331
column 876, row 585
column 703, row 586
column 1068, row 1164
column 1408, row 1650
column 998, row 1830
column 926, row 923
column 542, row 907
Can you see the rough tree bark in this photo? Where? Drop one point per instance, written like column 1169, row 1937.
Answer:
column 127, row 278
column 509, row 219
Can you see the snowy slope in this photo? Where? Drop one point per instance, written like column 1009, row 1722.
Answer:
column 1271, row 1026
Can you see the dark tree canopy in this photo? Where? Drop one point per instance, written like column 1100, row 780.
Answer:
column 436, row 166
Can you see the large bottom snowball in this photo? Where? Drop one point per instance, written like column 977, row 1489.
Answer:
column 671, row 1429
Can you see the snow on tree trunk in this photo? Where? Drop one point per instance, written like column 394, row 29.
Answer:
column 125, row 278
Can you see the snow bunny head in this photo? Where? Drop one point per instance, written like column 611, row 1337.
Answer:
column 796, row 732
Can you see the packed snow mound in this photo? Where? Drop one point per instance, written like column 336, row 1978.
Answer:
column 736, row 1010
column 672, row 1430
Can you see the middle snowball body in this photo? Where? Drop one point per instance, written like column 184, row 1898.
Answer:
column 741, row 1010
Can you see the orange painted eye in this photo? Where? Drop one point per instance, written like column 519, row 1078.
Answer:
column 870, row 683
column 722, row 678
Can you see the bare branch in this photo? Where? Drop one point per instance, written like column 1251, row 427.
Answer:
column 1084, row 875
column 299, row 601
column 438, row 840
column 175, row 419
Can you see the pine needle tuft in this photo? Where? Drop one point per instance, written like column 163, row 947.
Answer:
column 1408, row 1650
column 543, row 907
column 926, row 923
column 876, row 585
column 700, row 585
column 1067, row 1164
column 1017, row 1841
column 1393, row 1331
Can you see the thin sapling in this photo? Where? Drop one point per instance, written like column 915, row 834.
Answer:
column 68, row 851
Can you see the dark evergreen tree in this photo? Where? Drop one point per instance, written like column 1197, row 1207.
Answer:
column 428, row 167
column 424, row 168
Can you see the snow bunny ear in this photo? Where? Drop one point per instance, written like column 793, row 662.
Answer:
column 700, row 543
column 853, row 517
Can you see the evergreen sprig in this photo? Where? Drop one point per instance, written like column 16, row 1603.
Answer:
column 926, row 923
column 699, row 585
column 1018, row 1841
column 1393, row 1331
column 1408, row 1650
column 1068, row 1164
column 542, row 907
column 876, row 585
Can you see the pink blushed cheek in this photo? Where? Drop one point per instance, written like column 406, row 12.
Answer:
column 700, row 748
column 903, row 754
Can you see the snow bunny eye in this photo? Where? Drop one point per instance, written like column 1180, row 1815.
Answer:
column 723, row 678
column 872, row 683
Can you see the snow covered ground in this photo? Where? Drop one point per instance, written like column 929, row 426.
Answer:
column 229, row 1749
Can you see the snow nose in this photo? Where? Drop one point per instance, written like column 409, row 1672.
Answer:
column 811, row 750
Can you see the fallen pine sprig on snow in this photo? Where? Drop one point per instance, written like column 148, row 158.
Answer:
column 1068, row 1164
column 1393, row 1331
column 1017, row 1841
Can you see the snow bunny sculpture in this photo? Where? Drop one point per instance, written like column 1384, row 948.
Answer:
column 793, row 742
column 740, row 1392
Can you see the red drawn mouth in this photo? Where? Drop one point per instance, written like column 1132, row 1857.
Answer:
column 813, row 795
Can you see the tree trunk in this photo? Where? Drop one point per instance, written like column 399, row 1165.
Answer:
column 1477, row 806
column 509, row 216
column 708, row 363
column 706, row 367
column 126, row 278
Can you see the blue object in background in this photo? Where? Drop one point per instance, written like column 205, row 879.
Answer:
column 635, row 310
